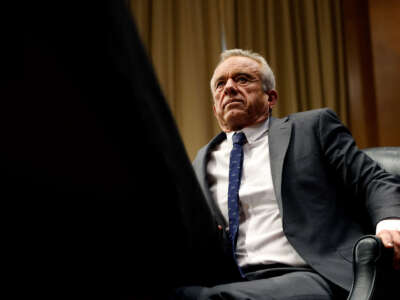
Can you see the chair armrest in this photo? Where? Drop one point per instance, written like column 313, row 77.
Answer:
column 371, row 262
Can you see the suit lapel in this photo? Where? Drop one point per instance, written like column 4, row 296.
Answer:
column 279, row 137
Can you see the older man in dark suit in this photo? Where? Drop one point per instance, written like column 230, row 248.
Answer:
column 291, row 196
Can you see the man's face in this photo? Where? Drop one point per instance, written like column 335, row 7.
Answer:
column 239, row 99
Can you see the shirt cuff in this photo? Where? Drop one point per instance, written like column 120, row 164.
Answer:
column 388, row 224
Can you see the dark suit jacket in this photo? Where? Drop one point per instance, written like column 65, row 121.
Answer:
column 328, row 191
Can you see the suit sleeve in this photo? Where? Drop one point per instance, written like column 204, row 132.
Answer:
column 379, row 190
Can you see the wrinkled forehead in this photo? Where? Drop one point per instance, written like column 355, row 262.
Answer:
column 236, row 65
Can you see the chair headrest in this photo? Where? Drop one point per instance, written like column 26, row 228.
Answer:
column 387, row 157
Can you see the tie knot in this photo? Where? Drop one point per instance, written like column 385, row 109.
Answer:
column 239, row 138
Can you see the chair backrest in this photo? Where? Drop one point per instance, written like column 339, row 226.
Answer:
column 374, row 277
column 387, row 157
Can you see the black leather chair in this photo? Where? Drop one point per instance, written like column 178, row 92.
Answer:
column 374, row 277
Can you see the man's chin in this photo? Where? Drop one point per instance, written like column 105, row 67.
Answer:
column 235, row 121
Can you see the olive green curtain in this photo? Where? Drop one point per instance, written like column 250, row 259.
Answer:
column 301, row 39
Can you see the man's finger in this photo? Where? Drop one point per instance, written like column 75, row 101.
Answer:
column 386, row 237
column 396, row 244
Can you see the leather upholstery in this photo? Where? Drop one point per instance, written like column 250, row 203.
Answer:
column 374, row 277
column 387, row 157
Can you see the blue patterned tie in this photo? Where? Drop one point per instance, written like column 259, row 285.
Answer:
column 235, row 175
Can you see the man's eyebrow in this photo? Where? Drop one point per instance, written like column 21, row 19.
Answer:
column 243, row 73
column 234, row 75
column 219, row 78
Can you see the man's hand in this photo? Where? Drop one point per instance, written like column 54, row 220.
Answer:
column 391, row 239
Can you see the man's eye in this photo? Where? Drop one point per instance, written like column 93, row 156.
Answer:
column 219, row 84
column 241, row 79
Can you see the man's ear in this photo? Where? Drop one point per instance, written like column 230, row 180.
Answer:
column 272, row 97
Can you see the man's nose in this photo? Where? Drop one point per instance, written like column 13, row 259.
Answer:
column 230, row 87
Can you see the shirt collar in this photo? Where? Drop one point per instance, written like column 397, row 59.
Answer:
column 252, row 133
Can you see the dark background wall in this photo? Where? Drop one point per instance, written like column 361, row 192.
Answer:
column 372, row 38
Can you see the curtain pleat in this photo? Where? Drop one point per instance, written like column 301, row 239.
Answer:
column 183, row 39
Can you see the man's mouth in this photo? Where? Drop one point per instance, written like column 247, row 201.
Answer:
column 232, row 101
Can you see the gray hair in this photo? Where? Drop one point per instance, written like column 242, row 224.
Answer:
column 267, row 76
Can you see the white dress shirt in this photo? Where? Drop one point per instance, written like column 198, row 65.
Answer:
column 261, row 239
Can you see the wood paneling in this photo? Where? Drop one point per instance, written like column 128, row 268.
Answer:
column 360, row 79
column 372, row 47
column 385, row 38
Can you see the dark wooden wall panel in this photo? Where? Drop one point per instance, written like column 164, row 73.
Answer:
column 385, row 37
column 372, row 47
column 360, row 77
